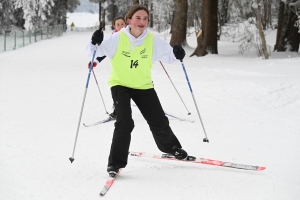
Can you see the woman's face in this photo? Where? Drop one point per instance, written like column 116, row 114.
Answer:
column 119, row 24
column 138, row 22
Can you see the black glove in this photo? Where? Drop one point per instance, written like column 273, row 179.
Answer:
column 100, row 58
column 178, row 52
column 97, row 37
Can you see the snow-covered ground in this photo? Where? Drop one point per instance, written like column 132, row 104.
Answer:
column 82, row 19
column 250, row 109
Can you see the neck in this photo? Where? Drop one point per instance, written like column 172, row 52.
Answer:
column 132, row 32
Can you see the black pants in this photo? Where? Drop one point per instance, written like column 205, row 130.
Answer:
column 150, row 107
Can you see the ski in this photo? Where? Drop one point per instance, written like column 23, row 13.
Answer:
column 173, row 116
column 109, row 182
column 195, row 160
column 109, row 119
column 179, row 118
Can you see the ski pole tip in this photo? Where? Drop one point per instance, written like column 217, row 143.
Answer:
column 205, row 140
column 189, row 113
column 71, row 159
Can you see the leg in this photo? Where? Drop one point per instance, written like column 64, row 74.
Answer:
column 123, row 127
column 150, row 107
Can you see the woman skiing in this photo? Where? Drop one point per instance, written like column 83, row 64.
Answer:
column 132, row 52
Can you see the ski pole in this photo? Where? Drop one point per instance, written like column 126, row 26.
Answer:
column 186, row 76
column 175, row 88
column 99, row 91
column 86, row 87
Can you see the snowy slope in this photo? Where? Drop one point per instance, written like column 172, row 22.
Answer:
column 249, row 106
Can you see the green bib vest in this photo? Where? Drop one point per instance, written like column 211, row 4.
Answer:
column 131, row 66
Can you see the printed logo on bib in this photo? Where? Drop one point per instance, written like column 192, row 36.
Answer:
column 143, row 51
column 126, row 53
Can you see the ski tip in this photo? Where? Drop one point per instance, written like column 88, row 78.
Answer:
column 261, row 168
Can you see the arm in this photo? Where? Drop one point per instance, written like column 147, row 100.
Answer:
column 108, row 47
column 162, row 51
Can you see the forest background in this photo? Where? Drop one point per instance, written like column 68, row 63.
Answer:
column 209, row 20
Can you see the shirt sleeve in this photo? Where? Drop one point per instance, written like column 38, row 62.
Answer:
column 108, row 47
column 162, row 51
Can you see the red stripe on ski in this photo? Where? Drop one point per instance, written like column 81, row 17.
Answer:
column 109, row 183
column 200, row 161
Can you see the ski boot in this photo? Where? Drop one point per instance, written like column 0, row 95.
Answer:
column 113, row 170
column 179, row 153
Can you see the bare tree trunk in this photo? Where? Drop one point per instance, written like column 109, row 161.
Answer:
column 263, row 15
column 261, row 33
column 179, row 24
column 270, row 14
column 100, row 10
column 101, row 24
column 224, row 12
column 113, row 14
column 280, row 24
column 287, row 34
column 207, row 42
column 219, row 26
column 151, row 15
column 103, row 18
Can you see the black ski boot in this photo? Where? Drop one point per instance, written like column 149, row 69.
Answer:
column 113, row 115
column 113, row 170
column 179, row 153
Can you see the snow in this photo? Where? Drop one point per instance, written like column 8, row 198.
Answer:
column 83, row 19
column 249, row 107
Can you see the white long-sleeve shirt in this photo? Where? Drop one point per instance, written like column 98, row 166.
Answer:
column 161, row 49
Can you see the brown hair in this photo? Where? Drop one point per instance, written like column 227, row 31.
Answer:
column 118, row 19
column 134, row 9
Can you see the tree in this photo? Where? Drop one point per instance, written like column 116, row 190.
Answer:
column 18, row 14
column 193, row 17
column 223, row 12
column 116, row 9
column 112, row 11
column 60, row 9
column 207, row 41
column 179, row 23
column 266, row 18
column 35, row 12
column 260, row 30
column 6, row 15
column 151, row 15
column 288, row 37
column 101, row 11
